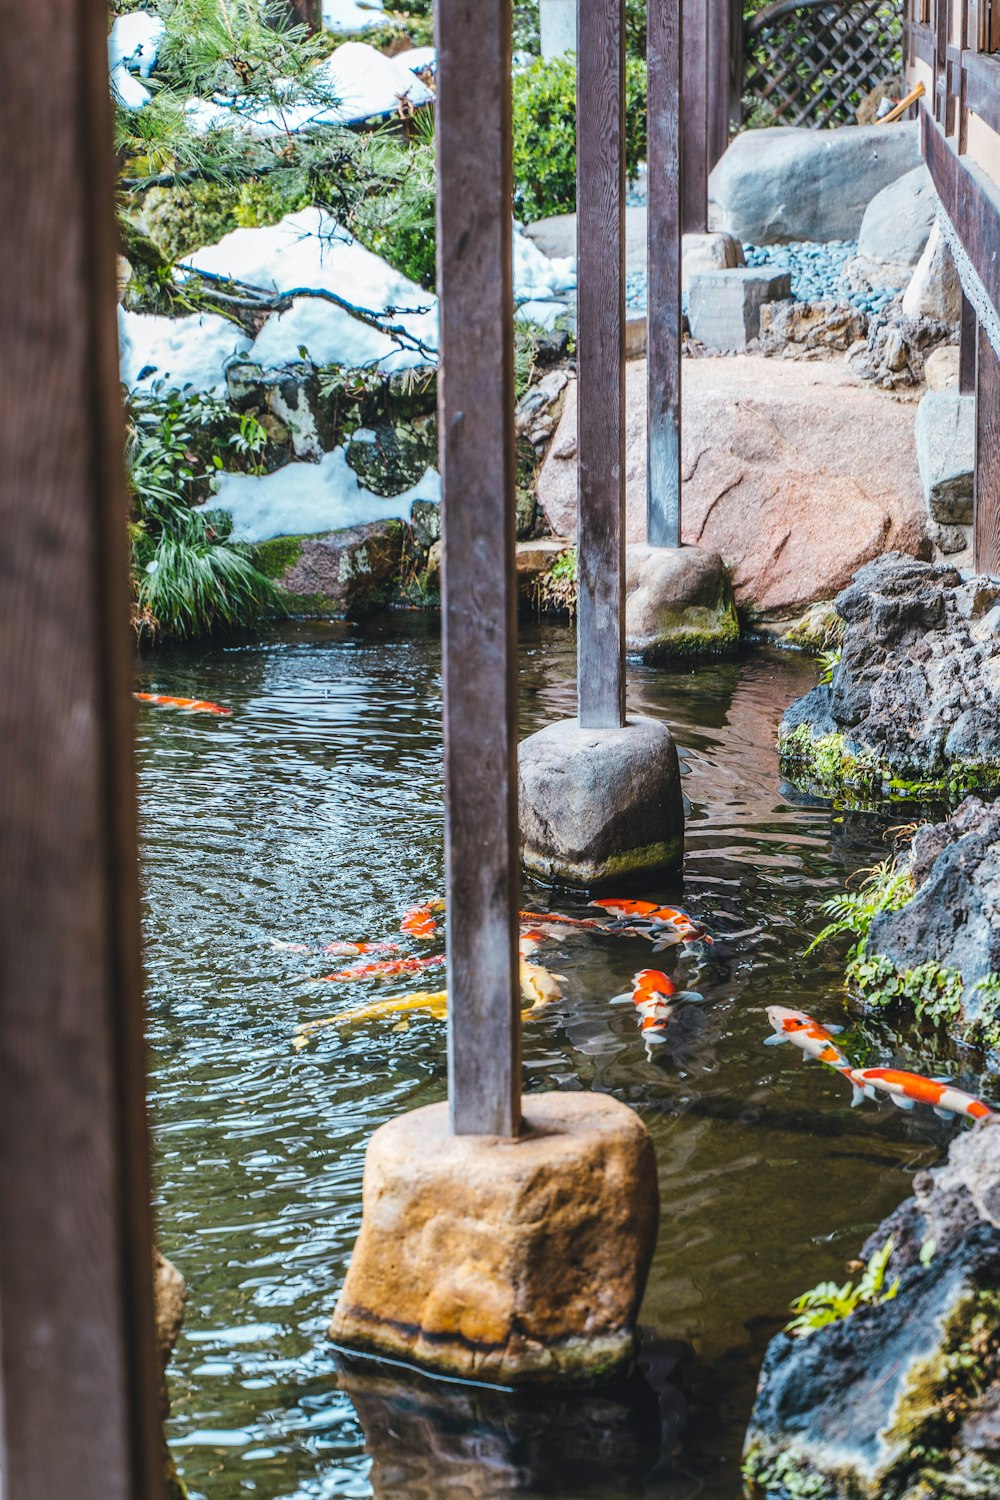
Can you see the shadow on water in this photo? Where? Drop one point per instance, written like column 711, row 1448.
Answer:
column 314, row 814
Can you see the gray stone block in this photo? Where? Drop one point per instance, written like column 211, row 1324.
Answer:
column 799, row 184
column 600, row 806
column 724, row 306
column 945, row 434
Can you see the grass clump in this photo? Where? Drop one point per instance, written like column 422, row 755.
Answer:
column 555, row 590
column 829, row 1303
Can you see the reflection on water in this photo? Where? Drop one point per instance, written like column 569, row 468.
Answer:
column 314, row 814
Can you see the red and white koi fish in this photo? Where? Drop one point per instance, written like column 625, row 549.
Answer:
column 907, row 1089
column 667, row 926
column 345, row 949
column 384, row 967
column 626, row 911
column 189, row 705
column 531, row 939
column 815, row 1040
column 655, row 997
column 419, row 921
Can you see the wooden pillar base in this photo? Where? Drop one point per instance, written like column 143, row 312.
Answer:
column 600, row 807
column 506, row 1261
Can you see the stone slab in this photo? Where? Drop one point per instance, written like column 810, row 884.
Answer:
column 792, row 183
column 600, row 806
column 724, row 306
column 778, row 474
column 508, row 1261
column 945, row 433
column 679, row 602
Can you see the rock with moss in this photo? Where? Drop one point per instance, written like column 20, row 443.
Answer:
column 899, row 1398
column 389, row 458
column 819, row 630
column 912, row 709
column 679, row 603
column 352, row 572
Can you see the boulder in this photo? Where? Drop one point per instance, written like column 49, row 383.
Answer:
column 915, row 697
column 935, row 290
column 708, row 252
column 945, row 432
column 505, row 1261
column 895, row 351
column 289, row 396
column 389, row 458
column 600, row 807
column 724, row 306
column 788, row 183
column 941, row 367
column 953, row 917
column 778, row 475
column 812, row 327
column 679, row 602
column 349, row 572
column 898, row 220
column 901, row 1396
column 556, row 236
column 425, row 519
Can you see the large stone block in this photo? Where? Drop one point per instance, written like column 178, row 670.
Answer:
column 898, row 220
column 679, row 602
column 600, row 805
column 945, row 432
column 799, row 184
column 509, row 1261
column 724, row 306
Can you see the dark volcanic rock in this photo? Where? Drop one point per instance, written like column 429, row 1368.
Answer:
column 954, row 914
column 917, row 689
column 852, row 1409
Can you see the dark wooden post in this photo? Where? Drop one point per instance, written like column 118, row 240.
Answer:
column 986, row 501
column 476, row 407
column 663, row 432
column 967, row 349
column 720, row 79
column 600, row 189
column 308, row 13
column 694, row 134
column 78, row 1370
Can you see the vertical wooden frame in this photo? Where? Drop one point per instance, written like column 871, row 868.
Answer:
column 78, row 1366
column 476, row 410
column 600, row 190
column 694, row 132
column 719, row 85
column 968, row 333
column 986, row 498
column 663, row 404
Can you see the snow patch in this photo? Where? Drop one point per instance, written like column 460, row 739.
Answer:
column 541, row 284
column 134, row 42
column 177, row 351
column 303, row 498
column 352, row 15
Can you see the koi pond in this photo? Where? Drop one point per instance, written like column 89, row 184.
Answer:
column 314, row 814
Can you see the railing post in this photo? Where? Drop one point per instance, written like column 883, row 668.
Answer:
column 600, row 176
column 986, row 492
column 694, row 136
column 720, row 73
column 476, row 409
column 663, row 432
column 968, row 332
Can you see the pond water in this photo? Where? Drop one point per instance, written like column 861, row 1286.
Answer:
column 314, row 814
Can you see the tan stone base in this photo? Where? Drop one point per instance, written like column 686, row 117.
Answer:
column 505, row 1261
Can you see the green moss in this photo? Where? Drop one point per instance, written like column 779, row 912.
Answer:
column 820, row 629
column 784, row 1474
column 822, row 764
column 278, row 556
column 697, row 631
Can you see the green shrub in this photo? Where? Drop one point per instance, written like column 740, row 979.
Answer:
column 545, row 134
column 830, row 1303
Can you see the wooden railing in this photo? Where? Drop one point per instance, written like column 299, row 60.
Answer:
column 811, row 62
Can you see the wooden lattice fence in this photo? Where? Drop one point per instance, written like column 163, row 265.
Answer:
column 811, row 62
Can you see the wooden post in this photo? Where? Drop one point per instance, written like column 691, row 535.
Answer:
column 663, row 405
column 694, row 135
column 600, row 189
column 719, row 82
column 308, row 13
column 78, row 1368
column 967, row 349
column 986, row 499
column 476, row 409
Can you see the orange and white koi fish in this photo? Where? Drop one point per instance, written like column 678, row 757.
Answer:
column 626, row 911
column 419, row 921
column 667, row 926
column 434, row 1003
column 190, row 705
column 345, row 949
column 814, row 1040
column 382, row 968
column 655, row 997
column 907, row 1089
column 531, row 939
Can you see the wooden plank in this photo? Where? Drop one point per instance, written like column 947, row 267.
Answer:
column 78, row 1366
column 982, row 87
column 986, row 494
column 719, row 85
column 968, row 333
column 663, row 319
column 694, row 136
column 971, row 201
column 600, row 189
column 476, row 412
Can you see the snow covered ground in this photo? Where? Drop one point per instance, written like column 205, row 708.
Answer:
column 177, row 352
column 303, row 498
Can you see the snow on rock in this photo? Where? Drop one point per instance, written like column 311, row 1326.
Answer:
column 134, row 42
column 129, row 92
column 541, row 284
column 420, row 59
column 310, row 249
column 177, row 351
column 352, row 15
column 302, row 498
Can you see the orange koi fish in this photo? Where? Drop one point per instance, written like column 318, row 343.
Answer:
column 419, row 921
column 625, row 911
column 382, row 968
column 531, row 939
column 190, row 705
column 907, row 1089
column 590, row 924
column 814, row 1040
column 667, row 926
column 346, row 949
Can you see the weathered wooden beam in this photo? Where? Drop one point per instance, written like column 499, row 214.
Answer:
column 476, row 410
column 78, row 1368
column 600, row 188
column 663, row 318
column 986, row 494
column 722, row 30
column 694, row 135
column 968, row 333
